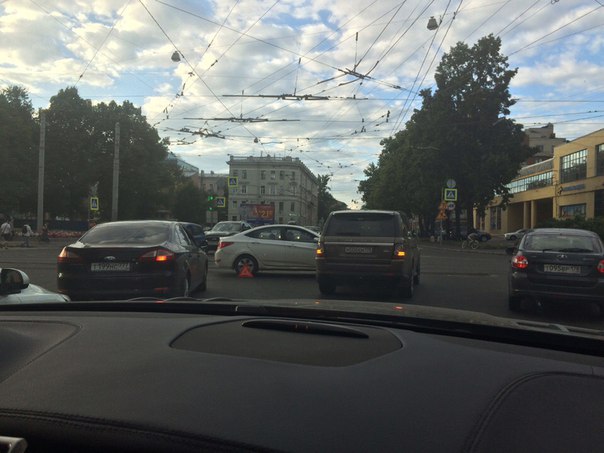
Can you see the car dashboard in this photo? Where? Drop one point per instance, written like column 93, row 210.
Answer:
column 140, row 381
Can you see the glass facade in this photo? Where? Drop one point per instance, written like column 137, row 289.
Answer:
column 573, row 166
column 531, row 182
column 573, row 210
column 600, row 159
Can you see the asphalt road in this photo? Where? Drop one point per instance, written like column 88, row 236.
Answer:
column 450, row 277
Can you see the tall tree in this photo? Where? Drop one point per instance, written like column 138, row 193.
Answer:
column 460, row 132
column 191, row 204
column 18, row 152
column 327, row 203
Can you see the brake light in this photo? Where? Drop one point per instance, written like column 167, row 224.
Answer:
column 67, row 256
column 222, row 244
column 601, row 267
column 520, row 262
column 399, row 251
column 158, row 256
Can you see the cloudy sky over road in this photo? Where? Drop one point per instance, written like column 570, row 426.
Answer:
column 322, row 80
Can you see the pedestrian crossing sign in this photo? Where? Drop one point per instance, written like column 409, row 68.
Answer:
column 450, row 195
column 220, row 202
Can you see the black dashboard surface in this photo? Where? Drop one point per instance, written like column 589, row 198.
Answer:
column 160, row 382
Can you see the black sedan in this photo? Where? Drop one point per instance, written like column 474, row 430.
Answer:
column 223, row 229
column 557, row 264
column 132, row 259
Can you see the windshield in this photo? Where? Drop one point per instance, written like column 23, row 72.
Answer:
column 227, row 227
column 421, row 141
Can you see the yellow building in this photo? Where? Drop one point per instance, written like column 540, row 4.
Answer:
column 569, row 184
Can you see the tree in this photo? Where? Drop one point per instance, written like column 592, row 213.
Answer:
column 18, row 152
column 327, row 203
column 191, row 204
column 460, row 132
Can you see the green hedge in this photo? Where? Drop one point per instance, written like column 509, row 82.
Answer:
column 596, row 224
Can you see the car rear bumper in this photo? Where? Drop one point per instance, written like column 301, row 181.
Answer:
column 112, row 286
column 521, row 286
column 347, row 272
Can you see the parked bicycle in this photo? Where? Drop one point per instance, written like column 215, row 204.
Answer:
column 471, row 242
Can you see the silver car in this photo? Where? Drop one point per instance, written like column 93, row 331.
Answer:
column 515, row 235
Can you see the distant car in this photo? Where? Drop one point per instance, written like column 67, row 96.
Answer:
column 373, row 246
column 15, row 288
column 132, row 259
column 197, row 233
column 222, row 229
column 514, row 235
column 482, row 236
column 557, row 263
column 270, row 247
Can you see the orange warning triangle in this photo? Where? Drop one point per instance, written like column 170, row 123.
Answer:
column 245, row 272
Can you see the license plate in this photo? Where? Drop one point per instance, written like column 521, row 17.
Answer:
column 358, row 249
column 562, row 268
column 110, row 267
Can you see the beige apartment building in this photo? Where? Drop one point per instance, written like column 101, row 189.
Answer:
column 570, row 183
column 271, row 189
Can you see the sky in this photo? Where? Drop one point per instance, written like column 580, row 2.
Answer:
column 321, row 80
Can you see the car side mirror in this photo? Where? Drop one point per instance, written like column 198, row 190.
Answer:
column 13, row 281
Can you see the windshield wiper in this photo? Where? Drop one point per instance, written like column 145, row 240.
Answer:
column 576, row 250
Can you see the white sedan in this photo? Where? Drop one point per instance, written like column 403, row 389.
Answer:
column 269, row 247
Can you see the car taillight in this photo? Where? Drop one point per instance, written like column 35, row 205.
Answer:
column 223, row 244
column 399, row 251
column 157, row 256
column 601, row 267
column 67, row 256
column 320, row 251
column 520, row 262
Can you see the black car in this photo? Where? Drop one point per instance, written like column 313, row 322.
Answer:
column 132, row 259
column 222, row 229
column 197, row 234
column 555, row 264
column 373, row 246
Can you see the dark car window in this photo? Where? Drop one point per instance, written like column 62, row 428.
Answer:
column 145, row 234
column 266, row 233
column 296, row 235
column 376, row 225
column 183, row 238
column 561, row 243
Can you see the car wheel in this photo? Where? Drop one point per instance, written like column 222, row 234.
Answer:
column 407, row 291
column 417, row 272
column 326, row 286
column 204, row 284
column 246, row 260
column 514, row 303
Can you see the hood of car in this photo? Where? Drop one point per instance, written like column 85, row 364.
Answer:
column 33, row 294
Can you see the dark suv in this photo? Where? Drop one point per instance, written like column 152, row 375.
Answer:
column 367, row 246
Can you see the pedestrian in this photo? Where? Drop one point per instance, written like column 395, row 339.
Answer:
column 5, row 231
column 26, row 232
column 44, row 237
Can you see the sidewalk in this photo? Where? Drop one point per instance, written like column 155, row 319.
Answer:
column 35, row 242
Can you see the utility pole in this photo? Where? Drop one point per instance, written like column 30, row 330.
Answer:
column 116, row 172
column 40, row 216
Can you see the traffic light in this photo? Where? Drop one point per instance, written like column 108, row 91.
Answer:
column 210, row 202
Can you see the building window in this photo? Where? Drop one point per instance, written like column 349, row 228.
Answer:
column 531, row 182
column 243, row 188
column 262, row 190
column 262, row 174
column 280, row 206
column 273, row 176
column 293, row 175
column 572, row 210
column 573, row 166
column 600, row 159
column 244, row 174
column 272, row 189
column 599, row 203
column 235, row 172
column 234, row 218
column 280, row 219
column 293, row 206
column 495, row 218
column 234, row 203
column 281, row 174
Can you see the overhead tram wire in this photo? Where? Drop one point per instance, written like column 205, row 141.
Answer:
column 500, row 33
column 486, row 20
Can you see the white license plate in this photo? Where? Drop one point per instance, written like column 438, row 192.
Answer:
column 358, row 249
column 562, row 268
column 110, row 267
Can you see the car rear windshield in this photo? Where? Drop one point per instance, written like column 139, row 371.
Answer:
column 562, row 243
column 127, row 234
column 363, row 225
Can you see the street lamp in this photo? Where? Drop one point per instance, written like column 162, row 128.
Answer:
column 433, row 24
column 176, row 56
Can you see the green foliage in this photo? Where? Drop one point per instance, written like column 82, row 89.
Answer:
column 191, row 204
column 327, row 203
column 18, row 152
column 596, row 225
column 459, row 133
